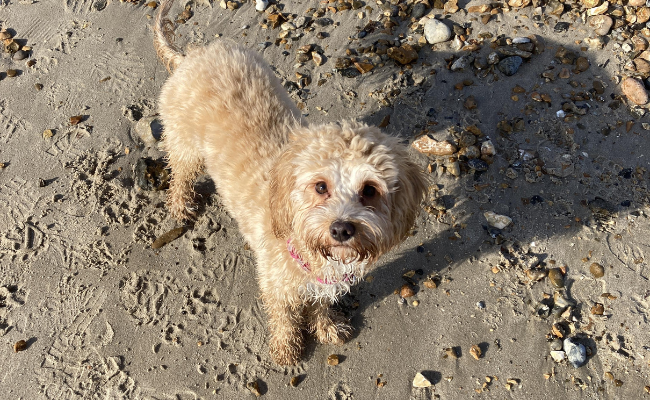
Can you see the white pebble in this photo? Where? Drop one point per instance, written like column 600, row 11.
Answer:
column 260, row 5
column 436, row 31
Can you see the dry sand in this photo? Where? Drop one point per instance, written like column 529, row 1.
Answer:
column 106, row 316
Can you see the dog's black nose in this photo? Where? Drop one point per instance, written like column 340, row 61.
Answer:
column 342, row 230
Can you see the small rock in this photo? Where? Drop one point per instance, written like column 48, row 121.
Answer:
column 634, row 91
column 318, row 58
column 582, row 64
column 436, row 31
column 5, row 35
column 496, row 220
column 254, row 388
column 493, row 58
column 477, row 164
column 420, row 381
column 487, row 148
column 470, row 103
column 76, row 119
column 149, row 130
column 510, row 65
column 558, row 355
column 48, row 133
column 601, row 24
column 406, row 291
column 556, row 277
column 295, row 380
column 561, row 27
column 576, row 352
column 476, row 352
column 556, row 345
column 405, row 54
column 11, row 73
column 597, row 270
column 418, row 10
column 598, row 309
column 333, row 360
column 20, row 345
column 463, row 62
column 20, row 55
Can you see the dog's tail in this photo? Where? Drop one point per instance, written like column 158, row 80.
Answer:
column 163, row 38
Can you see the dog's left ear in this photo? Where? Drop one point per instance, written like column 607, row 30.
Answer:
column 282, row 181
column 412, row 187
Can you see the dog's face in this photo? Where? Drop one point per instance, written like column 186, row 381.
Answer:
column 343, row 195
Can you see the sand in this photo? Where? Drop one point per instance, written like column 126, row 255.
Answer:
column 106, row 316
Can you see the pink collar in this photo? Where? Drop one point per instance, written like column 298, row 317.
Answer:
column 305, row 265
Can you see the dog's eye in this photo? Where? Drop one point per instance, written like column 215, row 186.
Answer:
column 321, row 187
column 369, row 191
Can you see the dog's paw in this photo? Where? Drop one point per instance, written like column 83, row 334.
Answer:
column 284, row 353
column 333, row 328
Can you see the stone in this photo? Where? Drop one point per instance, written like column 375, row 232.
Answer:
column 601, row 24
column 418, row 10
column 428, row 145
column 634, row 90
column 576, row 352
column 420, row 381
column 149, row 130
column 436, row 31
column 510, row 65
column 496, row 220
column 260, row 5
column 405, row 54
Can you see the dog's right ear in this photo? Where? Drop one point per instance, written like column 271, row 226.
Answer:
column 282, row 181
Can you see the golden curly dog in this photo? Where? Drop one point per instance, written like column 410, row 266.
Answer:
column 317, row 204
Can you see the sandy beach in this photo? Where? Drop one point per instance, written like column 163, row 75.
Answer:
column 90, row 310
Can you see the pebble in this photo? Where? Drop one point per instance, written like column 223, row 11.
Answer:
column 576, row 352
column 556, row 345
column 406, row 291
column 295, row 380
column 476, row 352
column 420, row 381
column 20, row 55
column 597, row 270
column 333, row 360
column 405, row 54
column 436, row 31
column 463, row 62
column 254, row 388
column 5, row 35
column 632, row 88
column 556, row 277
column 11, row 73
column 598, row 309
column 478, row 164
column 601, row 24
column 558, row 355
column 149, row 130
column 20, row 345
column 496, row 220
column 493, row 58
column 418, row 10
column 510, row 65
column 582, row 64
column 487, row 148
column 520, row 40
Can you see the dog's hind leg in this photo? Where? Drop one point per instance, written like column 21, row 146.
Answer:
column 185, row 163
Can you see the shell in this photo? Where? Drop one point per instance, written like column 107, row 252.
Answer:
column 428, row 145
column 510, row 65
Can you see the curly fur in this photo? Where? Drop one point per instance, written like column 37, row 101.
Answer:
column 225, row 111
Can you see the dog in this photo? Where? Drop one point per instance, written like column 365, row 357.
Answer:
column 318, row 204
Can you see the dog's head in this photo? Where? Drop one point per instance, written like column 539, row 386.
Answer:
column 343, row 195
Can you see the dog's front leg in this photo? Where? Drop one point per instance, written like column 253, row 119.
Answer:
column 284, row 323
column 328, row 325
